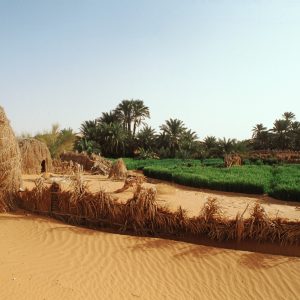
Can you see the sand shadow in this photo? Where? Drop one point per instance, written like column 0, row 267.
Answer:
column 254, row 260
column 187, row 250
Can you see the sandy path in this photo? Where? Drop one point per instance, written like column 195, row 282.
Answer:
column 45, row 259
column 192, row 199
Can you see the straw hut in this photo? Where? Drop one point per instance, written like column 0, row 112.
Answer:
column 35, row 157
column 118, row 170
column 10, row 164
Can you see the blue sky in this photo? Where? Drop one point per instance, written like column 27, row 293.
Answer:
column 220, row 66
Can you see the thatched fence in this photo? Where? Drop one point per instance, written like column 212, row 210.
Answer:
column 143, row 215
column 10, row 164
column 93, row 163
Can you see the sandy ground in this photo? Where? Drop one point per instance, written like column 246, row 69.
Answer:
column 44, row 259
column 191, row 199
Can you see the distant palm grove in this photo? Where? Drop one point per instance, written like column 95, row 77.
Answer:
column 123, row 132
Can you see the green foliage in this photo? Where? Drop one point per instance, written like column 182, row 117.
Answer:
column 286, row 183
column 57, row 140
column 88, row 146
column 285, row 134
column 146, row 154
column 282, row 182
column 249, row 179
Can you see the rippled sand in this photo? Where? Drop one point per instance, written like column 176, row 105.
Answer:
column 44, row 259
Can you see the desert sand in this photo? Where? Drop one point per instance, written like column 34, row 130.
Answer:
column 42, row 258
column 191, row 199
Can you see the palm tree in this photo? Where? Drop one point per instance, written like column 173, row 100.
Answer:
column 188, row 138
column 146, row 138
column 124, row 112
column 57, row 140
column 132, row 112
column 173, row 130
column 280, row 128
column 295, row 125
column 112, row 138
column 89, row 129
column 109, row 117
column 65, row 140
column 211, row 146
column 257, row 130
column 226, row 145
column 140, row 112
column 295, row 136
column 90, row 147
column 260, row 137
column 289, row 116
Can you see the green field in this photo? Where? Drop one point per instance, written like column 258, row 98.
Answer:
column 278, row 181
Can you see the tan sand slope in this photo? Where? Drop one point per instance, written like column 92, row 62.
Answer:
column 45, row 259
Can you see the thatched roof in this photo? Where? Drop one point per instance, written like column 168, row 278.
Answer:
column 10, row 163
column 33, row 153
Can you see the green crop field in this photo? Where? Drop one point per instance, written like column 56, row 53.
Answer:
column 278, row 181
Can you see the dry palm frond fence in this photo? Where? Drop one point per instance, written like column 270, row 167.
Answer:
column 95, row 164
column 143, row 215
column 132, row 180
column 283, row 156
column 66, row 167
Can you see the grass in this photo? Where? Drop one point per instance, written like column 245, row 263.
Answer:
column 278, row 181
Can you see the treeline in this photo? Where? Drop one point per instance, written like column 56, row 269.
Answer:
column 284, row 135
column 123, row 132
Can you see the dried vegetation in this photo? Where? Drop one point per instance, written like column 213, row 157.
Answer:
column 143, row 215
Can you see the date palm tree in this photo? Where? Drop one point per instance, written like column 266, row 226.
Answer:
column 146, row 137
column 211, row 146
column 226, row 145
column 132, row 113
column 289, row 116
column 124, row 112
column 57, row 140
column 280, row 129
column 172, row 131
column 89, row 130
column 109, row 117
column 257, row 130
column 140, row 113
column 112, row 138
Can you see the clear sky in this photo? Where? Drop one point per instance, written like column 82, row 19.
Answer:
column 220, row 66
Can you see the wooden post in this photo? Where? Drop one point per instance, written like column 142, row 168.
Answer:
column 55, row 189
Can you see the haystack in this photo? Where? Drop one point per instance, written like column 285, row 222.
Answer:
column 10, row 164
column 35, row 157
column 232, row 160
column 118, row 170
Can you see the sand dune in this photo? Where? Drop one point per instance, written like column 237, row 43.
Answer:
column 45, row 259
